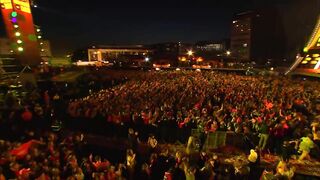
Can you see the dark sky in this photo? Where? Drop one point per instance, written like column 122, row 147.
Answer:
column 71, row 24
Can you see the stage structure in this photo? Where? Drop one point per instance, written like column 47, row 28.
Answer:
column 309, row 61
column 18, row 20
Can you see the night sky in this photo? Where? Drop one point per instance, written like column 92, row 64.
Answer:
column 72, row 24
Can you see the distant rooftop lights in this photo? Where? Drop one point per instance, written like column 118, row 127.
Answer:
column 147, row 59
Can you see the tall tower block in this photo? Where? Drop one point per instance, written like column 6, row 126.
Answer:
column 18, row 20
column 309, row 62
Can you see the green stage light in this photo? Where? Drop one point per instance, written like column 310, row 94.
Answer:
column 14, row 14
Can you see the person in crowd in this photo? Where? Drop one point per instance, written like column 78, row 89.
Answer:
column 131, row 163
column 152, row 142
column 268, row 174
column 133, row 139
column 264, row 135
column 283, row 170
column 306, row 144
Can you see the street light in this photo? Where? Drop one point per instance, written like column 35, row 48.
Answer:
column 228, row 53
column 147, row 59
column 190, row 53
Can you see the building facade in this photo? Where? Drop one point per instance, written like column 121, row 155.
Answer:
column 241, row 36
column 258, row 36
column 118, row 53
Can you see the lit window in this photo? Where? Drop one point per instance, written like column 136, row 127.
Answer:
column 313, row 62
column 304, row 62
column 308, row 58
column 315, row 55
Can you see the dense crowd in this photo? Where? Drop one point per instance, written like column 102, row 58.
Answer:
column 165, row 106
column 51, row 156
column 172, row 103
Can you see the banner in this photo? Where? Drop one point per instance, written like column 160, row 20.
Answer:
column 22, row 5
column 5, row 4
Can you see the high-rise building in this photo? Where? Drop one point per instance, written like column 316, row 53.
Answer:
column 241, row 36
column 258, row 36
column 18, row 20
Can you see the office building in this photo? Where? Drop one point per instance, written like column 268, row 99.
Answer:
column 258, row 36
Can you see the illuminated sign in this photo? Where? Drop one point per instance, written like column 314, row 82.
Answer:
column 6, row 4
column 22, row 5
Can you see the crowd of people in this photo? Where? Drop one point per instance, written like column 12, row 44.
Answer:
column 277, row 110
column 162, row 108
column 52, row 156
